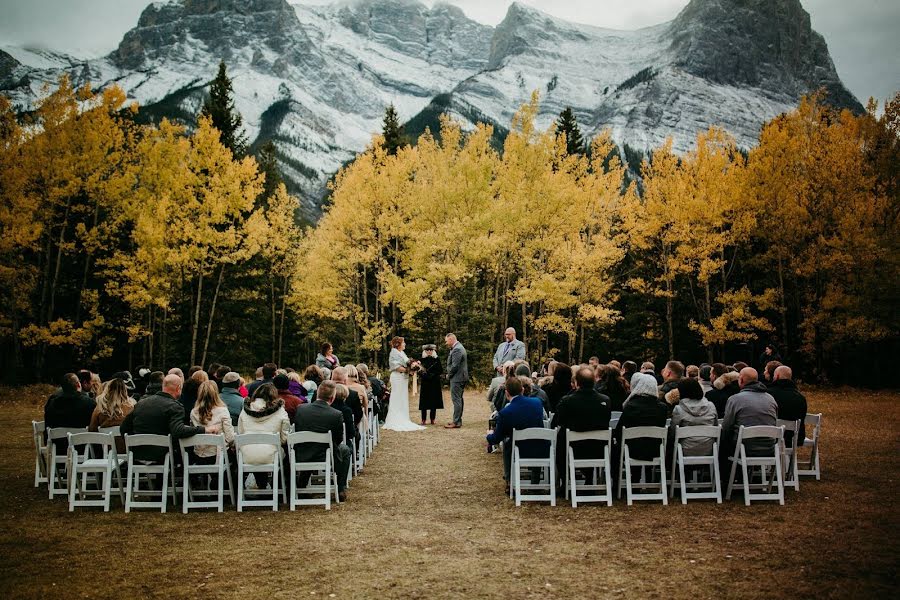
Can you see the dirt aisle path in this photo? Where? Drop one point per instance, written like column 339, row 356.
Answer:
column 429, row 518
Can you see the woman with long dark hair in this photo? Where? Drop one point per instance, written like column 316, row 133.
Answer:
column 560, row 386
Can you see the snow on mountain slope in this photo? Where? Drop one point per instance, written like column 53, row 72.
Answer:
column 316, row 79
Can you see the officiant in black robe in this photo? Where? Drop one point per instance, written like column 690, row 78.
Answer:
column 430, row 396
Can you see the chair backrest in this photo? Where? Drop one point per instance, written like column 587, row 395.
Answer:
column 37, row 427
column 308, row 437
column 247, row 439
column 761, row 431
column 616, row 414
column 203, row 439
column 815, row 420
column 113, row 430
column 631, row 433
column 147, row 439
column 58, row 433
column 96, row 439
column 695, row 431
column 600, row 435
column 788, row 425
column 533, row 433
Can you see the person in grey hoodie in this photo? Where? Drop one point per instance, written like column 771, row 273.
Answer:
column 753, row 405
column 693, row 409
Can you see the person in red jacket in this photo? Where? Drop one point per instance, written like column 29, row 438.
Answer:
column 291, row 402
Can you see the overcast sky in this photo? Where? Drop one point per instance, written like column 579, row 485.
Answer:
column 863, row 35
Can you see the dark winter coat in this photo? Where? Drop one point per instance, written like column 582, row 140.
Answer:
column 791, row 406
column 582, row 410
column 642, row 411
column 430, row 396
column 724, row 387
column 160, row 414
column 73, row 409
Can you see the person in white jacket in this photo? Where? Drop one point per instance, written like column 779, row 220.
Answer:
column 264, row 413
column 210, row 411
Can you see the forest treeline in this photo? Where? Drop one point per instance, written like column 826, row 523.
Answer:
column 128, row 244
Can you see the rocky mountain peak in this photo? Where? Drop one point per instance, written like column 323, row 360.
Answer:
column 760, row 43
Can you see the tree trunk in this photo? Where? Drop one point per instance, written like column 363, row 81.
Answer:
column 525, row 329
column 782, row 308
column 272, row 310
column 709, row 348
column 212, row 313
column 195, row 319
column 281, row 324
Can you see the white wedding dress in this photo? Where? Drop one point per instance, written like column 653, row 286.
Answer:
column 398, row 410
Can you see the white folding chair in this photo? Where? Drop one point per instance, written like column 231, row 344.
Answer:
column 774, row 460
column 547, row 465
column 713, row 489
column 274, row 468
column 325, row 469
column 221, row 469
column 626, row 463
column 138, row 468
column 614, row 418
column 789, row 454
column 57, row 484
column 83, row 464
column 600, row 467
column 362, row 456
column 811, row 466
column 40, row 453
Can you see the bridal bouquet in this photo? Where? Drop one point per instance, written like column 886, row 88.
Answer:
column 413, row 366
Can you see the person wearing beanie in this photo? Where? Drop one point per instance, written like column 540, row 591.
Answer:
column 291, row 402
column 230, row 395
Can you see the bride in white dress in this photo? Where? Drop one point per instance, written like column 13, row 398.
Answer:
column 398, row 410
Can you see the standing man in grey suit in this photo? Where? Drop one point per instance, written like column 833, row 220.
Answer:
column 509, row 350
column 458, row 372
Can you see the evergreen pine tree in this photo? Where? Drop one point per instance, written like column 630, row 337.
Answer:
column 567, row 125
column 220, row 108
column 267, row 159
column 392, row 131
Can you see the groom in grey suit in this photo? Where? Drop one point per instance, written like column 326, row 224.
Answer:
column 458, row 372
column 509, row 350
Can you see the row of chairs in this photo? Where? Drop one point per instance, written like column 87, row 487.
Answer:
column 758, row 474
column 91, row 466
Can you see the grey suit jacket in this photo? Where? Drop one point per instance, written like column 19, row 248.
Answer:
column 458, row 364
column 515, row 351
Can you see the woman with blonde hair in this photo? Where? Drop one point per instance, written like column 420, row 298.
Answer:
column 210, row 411
column 112, row 406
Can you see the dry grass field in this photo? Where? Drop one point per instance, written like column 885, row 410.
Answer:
column 429, row 518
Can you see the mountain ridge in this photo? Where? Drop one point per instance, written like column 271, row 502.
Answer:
column 315, row 79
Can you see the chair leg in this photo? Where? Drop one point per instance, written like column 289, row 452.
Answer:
column 627, row 477
column 185, row 488
column 746, row 478
column 552, row 478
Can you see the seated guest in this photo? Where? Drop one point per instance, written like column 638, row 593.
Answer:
column 190, row 372
column 752, row 406
column 189, row 392
column 160, row 414
column 125, row 376
column 692, row 372
column 211, row 371
column 220, row 373
column 615, row 387
column 583, row 410
column 340, row 403
column 791, row 403
column 211, row 412
column 693, row 409
column 84, row 379
column 180, row 373
column 354, row 401
column 523, row 372
column 500, row 397
column 291, row 402
column 154, row 383
column 769, row 371
column 498, row 381
column 263, row 413
column 312, row 377
column 295, row 385
column 739, row 366
column 642, row 408
column 629, row 368
column 113, row 405
column 321, row 417
column 68, row 407
column 560, row 386
column 725, row 385
column 520, row 413
column 326, row 359
column 672, row 374
column 705, row 381
column 230, row 395
column 268, row 374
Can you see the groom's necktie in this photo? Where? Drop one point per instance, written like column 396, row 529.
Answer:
column 508, row 345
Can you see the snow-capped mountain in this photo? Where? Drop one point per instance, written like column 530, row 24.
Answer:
column 316, row 80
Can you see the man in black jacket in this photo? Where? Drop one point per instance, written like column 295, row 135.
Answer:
column 583, row 410
column 161, row 414
column 321, row 417
column 791, row 403
column 68, row 407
